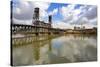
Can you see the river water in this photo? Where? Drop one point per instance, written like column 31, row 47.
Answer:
column 62, row 49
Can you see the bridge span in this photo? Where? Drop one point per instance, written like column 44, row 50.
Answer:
column 35, row 30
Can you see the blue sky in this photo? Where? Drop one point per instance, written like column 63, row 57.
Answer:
column 53, row 6
column 58, row 15
column 64, row 15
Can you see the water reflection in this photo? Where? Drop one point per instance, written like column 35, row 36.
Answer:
column 63, row 49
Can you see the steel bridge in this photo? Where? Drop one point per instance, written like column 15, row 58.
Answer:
column 36, row 30
column 33, row 32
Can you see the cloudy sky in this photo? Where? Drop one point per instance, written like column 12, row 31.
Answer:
column 64, row 15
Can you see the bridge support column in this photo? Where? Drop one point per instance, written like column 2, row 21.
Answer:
column 37, row 34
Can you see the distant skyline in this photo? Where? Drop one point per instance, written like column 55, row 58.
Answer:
column 64, row 15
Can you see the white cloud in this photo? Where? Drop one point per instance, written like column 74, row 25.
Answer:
column 17, row 10
column 85, row 14
column 71, row 7
column 79, row 16
column 66, row 13
column 23, row 6
column 43, row 7
column 43, row 14
column 76, row 17
column 65, row 10
column 76, row 12
column 83, row 20
column 91, row 12
column 54, row 11
column 61, row 25
column 93, row 21
column 69, row 13
column 24, row 10
column 17, row 21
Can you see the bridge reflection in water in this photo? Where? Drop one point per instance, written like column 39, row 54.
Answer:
column 51, row 50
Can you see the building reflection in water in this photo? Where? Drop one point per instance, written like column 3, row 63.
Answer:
column 34, row 53
column 40, row 51
column 63, row 49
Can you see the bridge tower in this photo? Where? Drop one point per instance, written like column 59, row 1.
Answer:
column 36, row 20
column 36, row 14
column 50, row 20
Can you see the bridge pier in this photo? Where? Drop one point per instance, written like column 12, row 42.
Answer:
column 37, row 34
